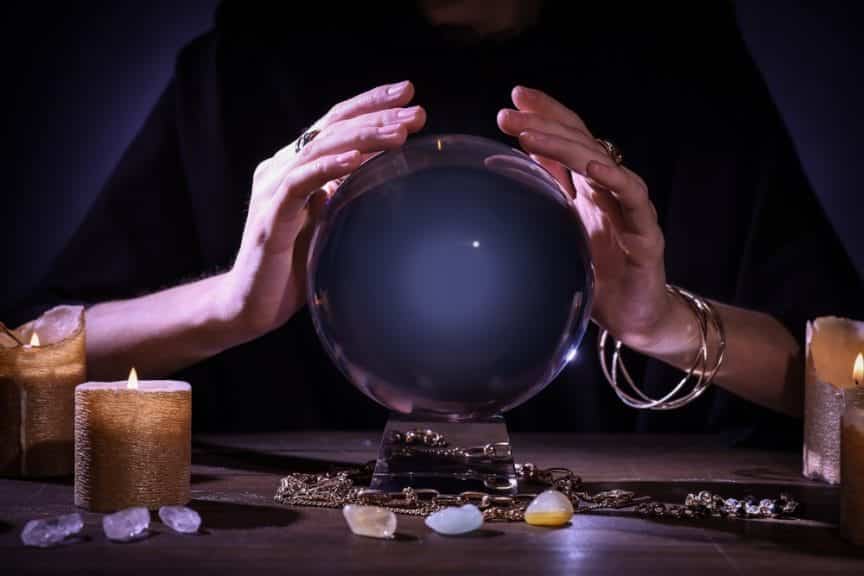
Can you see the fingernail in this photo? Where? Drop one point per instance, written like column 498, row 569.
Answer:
column 536, row 136
column 389, row 131
column 407, row 113
column 397, row 88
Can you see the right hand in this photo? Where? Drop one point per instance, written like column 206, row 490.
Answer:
column 267, row 283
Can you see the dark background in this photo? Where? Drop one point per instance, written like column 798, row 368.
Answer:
column 79, row 79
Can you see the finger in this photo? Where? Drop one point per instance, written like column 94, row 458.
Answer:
column 575, row 154
column 531, row 100
column 412, row 118
column 514, row 122
column 365, row 139
column 379, row 98
column 559, row 172
column 638, row 212
column 298, row 184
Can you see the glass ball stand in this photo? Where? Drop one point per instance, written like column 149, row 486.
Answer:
column 451, row 457
column 450, row 281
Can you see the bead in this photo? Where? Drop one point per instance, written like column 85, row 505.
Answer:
column 371, row 521
column 549, row 508
column 453, row 521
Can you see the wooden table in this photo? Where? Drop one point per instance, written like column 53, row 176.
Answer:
column 234, row 479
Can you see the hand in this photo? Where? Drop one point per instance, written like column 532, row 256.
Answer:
column 267, row 283
column 626, row 241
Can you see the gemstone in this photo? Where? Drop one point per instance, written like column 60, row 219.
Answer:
column 126, row 525
column 452, row 521
column 51, row 531
column 549, row 508
column 180, row 519
column 371, row 521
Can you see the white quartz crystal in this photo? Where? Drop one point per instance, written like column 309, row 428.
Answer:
column 126, row 525
column 452, row 521
column 180, row 519
column 370, row 521
column 51, row 531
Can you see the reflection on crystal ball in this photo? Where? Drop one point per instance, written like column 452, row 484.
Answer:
column 450, row 279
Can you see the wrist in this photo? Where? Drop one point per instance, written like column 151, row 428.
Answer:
column 673, row 337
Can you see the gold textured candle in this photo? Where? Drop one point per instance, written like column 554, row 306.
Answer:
column 852, row 461
column 40, row 364
column 132, row 444
column 832, row 345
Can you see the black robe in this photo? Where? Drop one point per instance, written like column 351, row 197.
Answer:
column 677, row 92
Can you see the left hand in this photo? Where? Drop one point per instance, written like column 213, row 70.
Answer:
column 626, row 242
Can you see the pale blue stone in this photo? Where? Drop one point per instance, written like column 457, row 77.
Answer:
column 453, row 521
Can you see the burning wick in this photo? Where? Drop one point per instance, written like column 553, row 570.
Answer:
column 34, row 341
column 132, row 383
column 858, row 369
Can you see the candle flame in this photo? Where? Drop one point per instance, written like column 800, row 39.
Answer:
column 440, row 144
column 858, row 369
column 34, row 340
column 133, row 379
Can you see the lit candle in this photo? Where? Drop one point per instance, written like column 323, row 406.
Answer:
column 40, row 364
column 852, row 490
column 132, row 443
column 832, row 345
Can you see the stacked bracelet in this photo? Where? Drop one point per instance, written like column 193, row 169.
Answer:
column 680, row 395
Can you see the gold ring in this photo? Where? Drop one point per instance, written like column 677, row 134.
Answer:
column 612, row 150
column 305, row 139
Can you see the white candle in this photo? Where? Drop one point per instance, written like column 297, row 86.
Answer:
column 832, row 345
column 132, row 443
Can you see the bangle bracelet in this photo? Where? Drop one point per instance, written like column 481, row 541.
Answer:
column 706, row 317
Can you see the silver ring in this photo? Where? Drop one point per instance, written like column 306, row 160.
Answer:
column 612, row 150
column 305, row 139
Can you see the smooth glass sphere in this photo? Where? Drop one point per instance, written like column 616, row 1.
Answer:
column 450, row 279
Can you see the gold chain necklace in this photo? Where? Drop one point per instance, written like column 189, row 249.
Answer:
column 338, row 488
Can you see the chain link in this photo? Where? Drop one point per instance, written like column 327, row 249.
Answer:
column 425, row 442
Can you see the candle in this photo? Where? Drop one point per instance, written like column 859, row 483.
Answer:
column 852, row 462
column 832, row 345
column 132, row 443
column 40, row 364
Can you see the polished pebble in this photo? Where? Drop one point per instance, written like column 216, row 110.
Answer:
column 453, row 521
column 549, row 508
column 371, row 521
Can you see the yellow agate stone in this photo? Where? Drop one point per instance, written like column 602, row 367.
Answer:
column 549, row 508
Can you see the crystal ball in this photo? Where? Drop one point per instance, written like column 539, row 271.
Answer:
column 450, row 279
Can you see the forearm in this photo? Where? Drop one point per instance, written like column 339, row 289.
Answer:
column 763, row 360
column 160, row 333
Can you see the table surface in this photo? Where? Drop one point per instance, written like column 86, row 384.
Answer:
column 234, row 480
